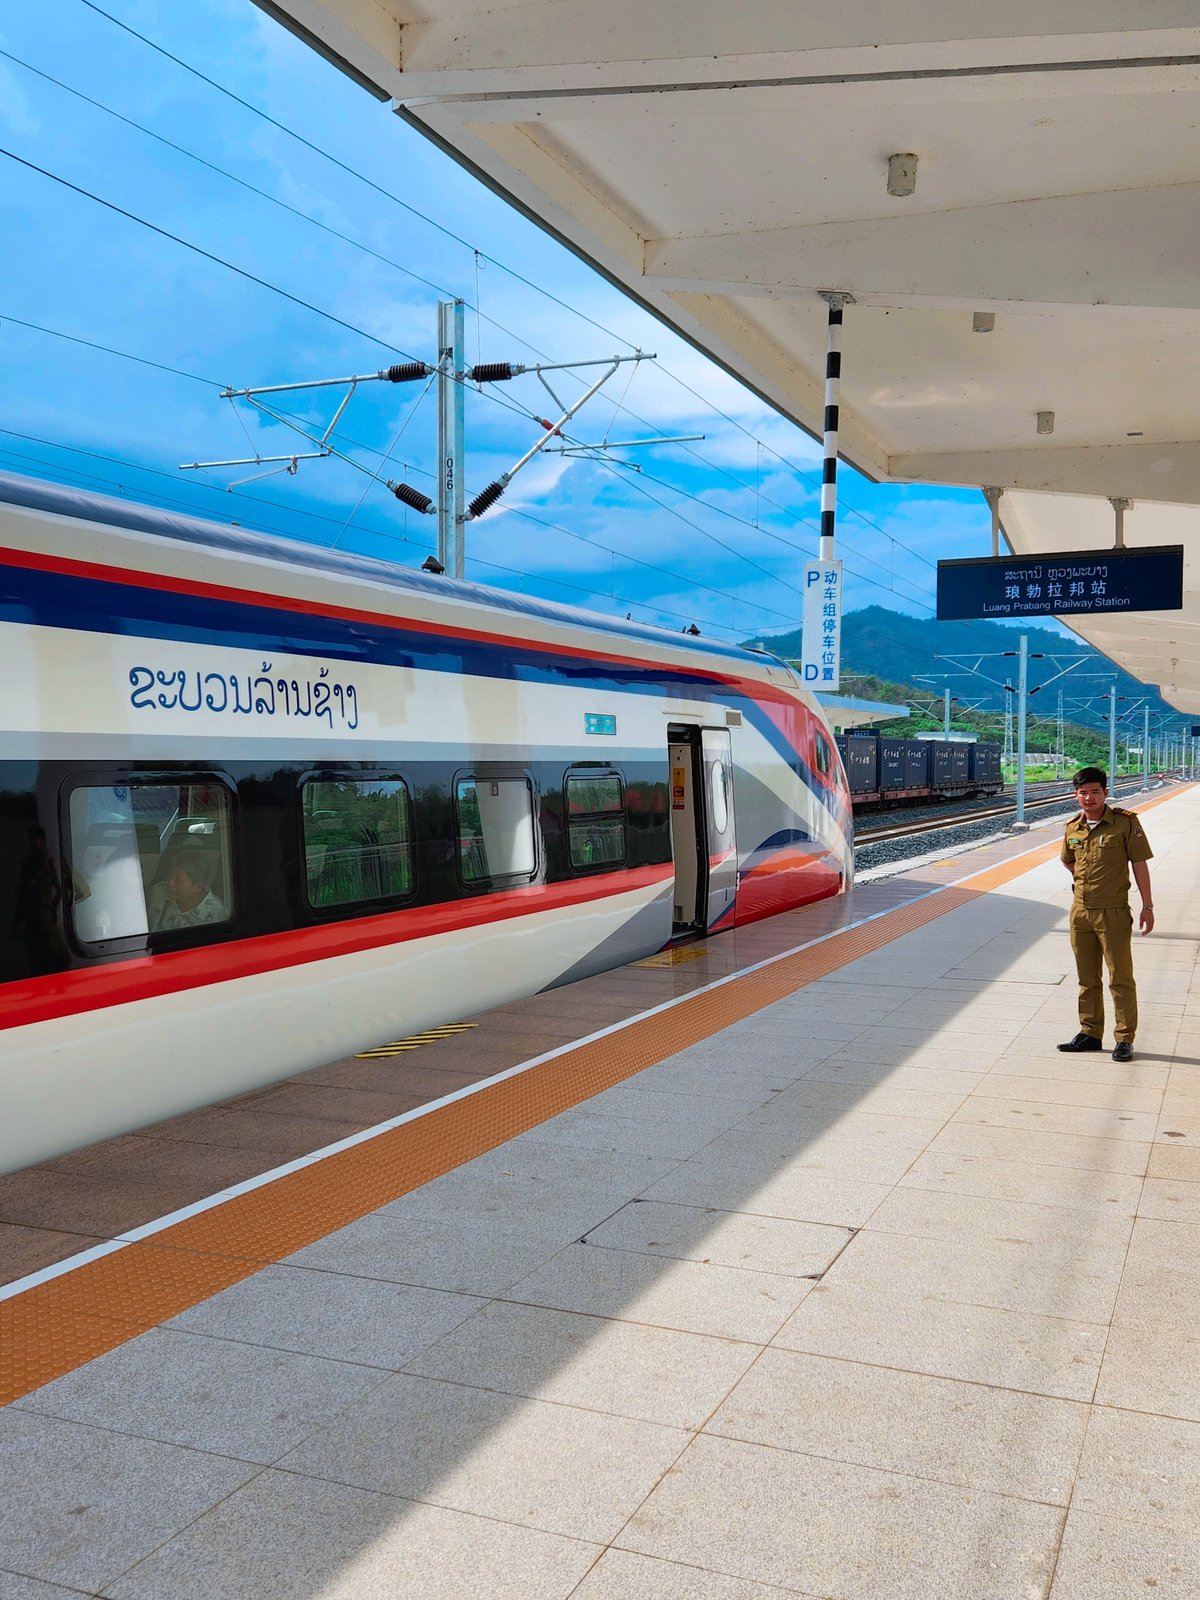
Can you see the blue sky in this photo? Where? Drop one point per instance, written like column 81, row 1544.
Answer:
column 712, row 532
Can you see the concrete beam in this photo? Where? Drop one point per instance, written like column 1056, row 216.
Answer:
column 576, row 45
column 812, row 98
column 523, row 164
column 1131, row 248
column 1156, row 472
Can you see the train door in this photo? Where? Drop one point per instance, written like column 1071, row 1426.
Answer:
column 691, row 862
column 718, row 805
column 702, row 828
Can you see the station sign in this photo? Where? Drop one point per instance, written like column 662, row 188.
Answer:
column 1070, row 584
column 821, row 635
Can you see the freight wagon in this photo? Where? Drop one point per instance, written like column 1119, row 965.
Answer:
column 884, row 770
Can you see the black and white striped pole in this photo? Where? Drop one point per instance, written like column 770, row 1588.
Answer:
column 835, row 300
column 821, row 634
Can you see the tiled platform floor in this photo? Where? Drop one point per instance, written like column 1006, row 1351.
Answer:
column 61, row 1206
column 874, row 1294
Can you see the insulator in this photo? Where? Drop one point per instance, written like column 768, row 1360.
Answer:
column 409, row 372
column 493, row 372
column 486, row 498
column 550, row 428
column 409, row 496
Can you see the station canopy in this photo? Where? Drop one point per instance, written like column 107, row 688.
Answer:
column 725, row 163
column 848, row 711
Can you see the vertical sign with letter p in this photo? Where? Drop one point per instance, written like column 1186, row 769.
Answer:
column 821, row 640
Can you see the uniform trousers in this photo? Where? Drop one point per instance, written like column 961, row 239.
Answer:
column 1105, row 936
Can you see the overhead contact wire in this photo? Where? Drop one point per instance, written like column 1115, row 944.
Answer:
column 456, row 238
column 220, row 261
column 126, row 355
column 447, row 232
column 378, row 533
column 351, row 171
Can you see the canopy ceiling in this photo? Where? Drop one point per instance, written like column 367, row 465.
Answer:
column 725, row 163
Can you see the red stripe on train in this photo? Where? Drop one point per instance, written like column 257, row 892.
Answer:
column 790, row 716
column 96, row 571
column 141, row 978
column 784, row 882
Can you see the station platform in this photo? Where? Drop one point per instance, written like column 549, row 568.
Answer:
column 797, row 1264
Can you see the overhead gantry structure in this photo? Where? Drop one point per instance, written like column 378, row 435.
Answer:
column 1010, row 194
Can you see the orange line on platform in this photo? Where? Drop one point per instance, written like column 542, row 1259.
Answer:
column 56, row 1326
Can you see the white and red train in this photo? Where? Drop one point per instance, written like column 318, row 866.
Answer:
column 262, row 805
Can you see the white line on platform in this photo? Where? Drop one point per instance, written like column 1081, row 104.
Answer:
column 148, row 1230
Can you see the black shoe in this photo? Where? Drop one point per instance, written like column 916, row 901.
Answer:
column 1124, row 1051
column 1083, row 1041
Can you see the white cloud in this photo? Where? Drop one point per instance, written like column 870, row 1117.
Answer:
column 16, row 113
column 145, row 295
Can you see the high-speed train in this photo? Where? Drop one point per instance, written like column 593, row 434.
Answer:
column 263, row 805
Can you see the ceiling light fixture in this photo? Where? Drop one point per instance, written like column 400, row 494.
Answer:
column 902, row 174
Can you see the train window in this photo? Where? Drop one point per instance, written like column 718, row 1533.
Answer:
column 720, row 796
column 357, row 840
column 152, row 857
column 595, row 809
column 824, row 756
column 495, row 828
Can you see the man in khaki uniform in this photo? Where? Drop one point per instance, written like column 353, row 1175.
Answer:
column 1100, row 845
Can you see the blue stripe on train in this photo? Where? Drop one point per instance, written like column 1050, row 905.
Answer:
column 63, row 501
column 65, row 600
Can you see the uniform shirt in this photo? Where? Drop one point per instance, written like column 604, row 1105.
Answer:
column 1101, row 856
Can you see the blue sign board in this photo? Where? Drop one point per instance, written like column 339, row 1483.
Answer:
column 599, row 722
column 1070, row 584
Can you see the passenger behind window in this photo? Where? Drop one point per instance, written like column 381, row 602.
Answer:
column 185, row 900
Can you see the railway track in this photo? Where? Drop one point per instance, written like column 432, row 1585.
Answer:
column 977, row 813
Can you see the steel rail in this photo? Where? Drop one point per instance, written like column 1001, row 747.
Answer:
column 865, row 836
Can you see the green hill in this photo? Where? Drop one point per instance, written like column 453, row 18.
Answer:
column 1082, row 745
column 897, row 649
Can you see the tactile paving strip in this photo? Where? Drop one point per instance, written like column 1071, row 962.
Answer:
column 59, row 1325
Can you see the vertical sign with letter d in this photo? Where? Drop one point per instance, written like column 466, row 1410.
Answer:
column 821, row 641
